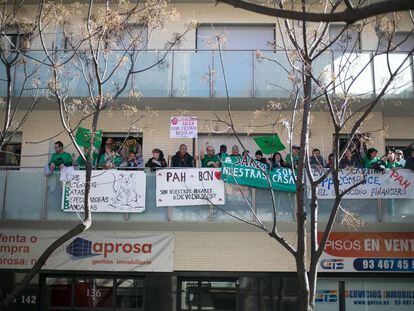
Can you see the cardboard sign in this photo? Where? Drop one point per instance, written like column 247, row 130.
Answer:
column 183, row 127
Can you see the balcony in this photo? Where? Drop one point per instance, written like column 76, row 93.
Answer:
column 198, row 74
column 27, row 195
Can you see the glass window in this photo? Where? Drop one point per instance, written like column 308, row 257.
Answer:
column 327, row 295
column 379, row 295
column 348, row 41
column 129, row 294
column 58, row 292
column 10, row 155
column 236, row 37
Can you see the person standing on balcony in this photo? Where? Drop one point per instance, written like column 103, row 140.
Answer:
column 277, row 161
column 209, row 158
column 110, row 159
column 182, row 158
column 235, row 154
column 371, row 160
column 316, row 160
column 410, row 160
column 399, row 157
column 81, row 163
column 260, row 158
column 130, row 145
column 157, row 160
column 292, row 159
column 223, row 151
column 60, row 158
column 390, row 161
column 348, row 161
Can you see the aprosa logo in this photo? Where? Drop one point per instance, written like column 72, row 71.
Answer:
column 326, row 296
column 81, row 248
column 332, row 264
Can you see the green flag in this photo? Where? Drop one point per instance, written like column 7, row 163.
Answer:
column 83, row 138
column 269, row 144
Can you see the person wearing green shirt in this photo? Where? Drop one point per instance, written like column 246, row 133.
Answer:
column 371, row 160
column 391, row 161
column 110, row 159
column 235, row 154
column 294, row 157
column 80, row 161
column 209, row 159
column 60, row 158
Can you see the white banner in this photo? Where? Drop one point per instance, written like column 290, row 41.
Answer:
column 183, row 127
column 105, row 251
column 389, row 184
column 111, row 191
column 188, row 187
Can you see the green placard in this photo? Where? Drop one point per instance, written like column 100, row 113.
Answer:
column 269, row 144
column 249, row 172
column 83, row 138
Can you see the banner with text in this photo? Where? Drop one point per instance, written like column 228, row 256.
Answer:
column 188, row 187
column 246, row 171
column 106, row 251
column 183, row 127
column 111, row 191
column 389, row 184
column 368, row 252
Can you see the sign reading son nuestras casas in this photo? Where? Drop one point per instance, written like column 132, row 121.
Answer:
column 186, row 187
column 388, row 184
column 245, row 171
column 111, row 191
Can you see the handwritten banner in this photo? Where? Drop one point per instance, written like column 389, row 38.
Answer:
column 249, row 172
column 189, row 187
column 183, row 127
column 368, row 252
column 389, row 184
column 111, row 191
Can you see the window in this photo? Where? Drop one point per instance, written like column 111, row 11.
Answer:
column 236, row 37
column 14, row 40
column 10, row 155
column 400, row 41
column 399, row 144
column 348, row 41
column 133, row 36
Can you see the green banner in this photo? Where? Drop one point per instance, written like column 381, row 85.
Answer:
column 83, row 138
column 269, row 144
column 249, row 172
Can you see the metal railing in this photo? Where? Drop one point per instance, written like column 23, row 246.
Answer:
column 27, row 194
column 197, row 73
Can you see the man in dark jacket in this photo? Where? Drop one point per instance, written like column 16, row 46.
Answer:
column 410, row 161
column 182, row 158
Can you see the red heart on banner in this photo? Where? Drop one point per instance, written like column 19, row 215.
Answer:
column 218, row 175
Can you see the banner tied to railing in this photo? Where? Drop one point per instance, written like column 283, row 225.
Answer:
column 245, row 171
column 189, row 187
column 388, row 184
column 111, row 191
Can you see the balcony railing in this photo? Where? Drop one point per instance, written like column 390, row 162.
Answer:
column 198, row 74
column 29, row 195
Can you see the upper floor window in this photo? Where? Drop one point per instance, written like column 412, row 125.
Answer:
column 11, row 152
column 235, row 37
column 347, row 40
column 133, row 36
column 14, row 40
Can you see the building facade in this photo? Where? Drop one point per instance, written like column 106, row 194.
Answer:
column 201, row 258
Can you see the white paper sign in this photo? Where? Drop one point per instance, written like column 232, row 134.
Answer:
column 105, row 251
column 111, row 191
column 188, row 187
column 389, row 184
column 67, row 173
column 183, row 127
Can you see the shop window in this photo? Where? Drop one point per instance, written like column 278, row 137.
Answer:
column 236, row 37
column 11, row 152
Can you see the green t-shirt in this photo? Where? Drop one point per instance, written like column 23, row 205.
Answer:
column 392, row 165
column 235, row 158
column 289, row 159
column 207, row 159
column 116, row 160
column 368, row 163
column 81, row 163
column 61, row 158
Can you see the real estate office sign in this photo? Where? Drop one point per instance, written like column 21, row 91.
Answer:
column 94, row 250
